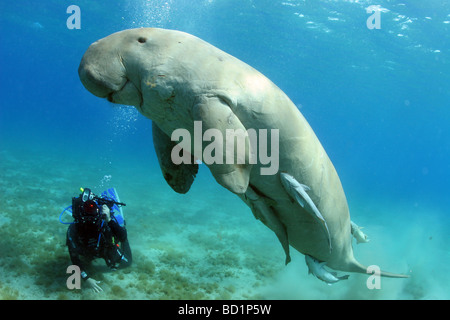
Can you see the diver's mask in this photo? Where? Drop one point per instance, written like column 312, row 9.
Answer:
column 87, row 195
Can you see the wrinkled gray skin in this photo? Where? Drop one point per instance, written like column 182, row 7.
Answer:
column 174, row 78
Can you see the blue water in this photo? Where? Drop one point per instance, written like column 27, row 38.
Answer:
column 377, row 99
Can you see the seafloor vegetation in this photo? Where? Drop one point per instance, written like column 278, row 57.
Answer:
column 182, row 249
column 202, row 245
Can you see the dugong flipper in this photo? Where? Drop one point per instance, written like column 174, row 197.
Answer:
column 215, row 114
column 179, row 176
column 177, row 80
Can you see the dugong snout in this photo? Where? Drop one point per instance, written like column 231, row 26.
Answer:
column 102, row 71
column 94, row 82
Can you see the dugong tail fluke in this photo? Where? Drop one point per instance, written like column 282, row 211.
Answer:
column 354, row 266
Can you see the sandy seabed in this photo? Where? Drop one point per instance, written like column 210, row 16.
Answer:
column 202, row 245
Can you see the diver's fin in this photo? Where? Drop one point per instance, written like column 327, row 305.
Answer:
column 298, row 192
column 233, row 171
column 179, row 176
column 263, row 212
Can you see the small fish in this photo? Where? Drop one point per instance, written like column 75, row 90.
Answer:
column 36, row 25
column 298, row 192
column 358, row 234
column 317, row 269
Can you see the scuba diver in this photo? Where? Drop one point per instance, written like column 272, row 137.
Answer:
column 96, row 233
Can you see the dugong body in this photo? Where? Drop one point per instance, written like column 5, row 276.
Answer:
column 174, row 79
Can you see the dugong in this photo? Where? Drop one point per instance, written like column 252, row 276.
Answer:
column 176, row 79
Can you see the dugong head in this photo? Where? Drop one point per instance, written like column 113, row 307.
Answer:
column 109, row 68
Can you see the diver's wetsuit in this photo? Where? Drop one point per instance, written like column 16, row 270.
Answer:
column 92, row 241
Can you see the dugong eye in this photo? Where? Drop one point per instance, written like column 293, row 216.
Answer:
column 142, row 39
